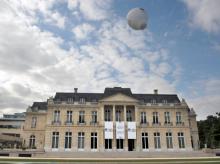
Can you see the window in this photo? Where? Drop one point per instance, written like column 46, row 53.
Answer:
column 108, row 143
column 178, row 117
column 119, row 143
column 32, row 142
column 181, row 140
column 144, row 140
column 94, row 116
column 155, row 118
column 94, row 140
column 129, row 115
column 82, row 100
column 81, row 116
column 143, row 118
column 157, row 140
column 164, row 101
column 118, row 113
column 167, row 117
column 70, row 100
column 68, row 140
column 107, row 115
column 169, row 140
column 153, row 101
column 81, row 139
column 34, row 122
column 69, row 117
column 56, row 116
column 55, row 140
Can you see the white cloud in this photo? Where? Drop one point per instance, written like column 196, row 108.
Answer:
column 83, row 30
column 205, row 97
column 34, row 65
column 205, row 14
column 37, row 11
column 92, row 9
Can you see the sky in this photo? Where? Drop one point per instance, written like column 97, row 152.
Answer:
column 49, row 46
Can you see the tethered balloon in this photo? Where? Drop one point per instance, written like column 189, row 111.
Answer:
column 137, row 19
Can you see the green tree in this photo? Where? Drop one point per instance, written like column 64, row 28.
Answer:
column 209, row 131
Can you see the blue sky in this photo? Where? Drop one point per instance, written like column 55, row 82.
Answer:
column 51, row 46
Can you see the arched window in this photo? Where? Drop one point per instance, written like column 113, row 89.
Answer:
column 32, row 142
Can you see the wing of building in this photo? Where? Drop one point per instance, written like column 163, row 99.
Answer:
column 116, row 120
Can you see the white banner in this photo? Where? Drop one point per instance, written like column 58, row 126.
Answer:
column 120, row 130
column 108, row 130
column 131, row 130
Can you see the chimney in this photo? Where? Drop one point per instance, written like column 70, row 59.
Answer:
column 155, row 91
column 75, row 90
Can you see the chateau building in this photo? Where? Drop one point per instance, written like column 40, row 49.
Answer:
column 116, row 120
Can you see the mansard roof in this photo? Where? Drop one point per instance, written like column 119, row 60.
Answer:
column 147, row 98
column 39, row 105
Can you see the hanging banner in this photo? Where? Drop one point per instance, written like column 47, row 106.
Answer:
column 108, row 130
column 131, row 130
column 120, row 130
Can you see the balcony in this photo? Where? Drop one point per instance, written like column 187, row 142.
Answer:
column 56, row 123
column 81, row 123
column 94, row 123
column 69, row 123
column 144, row 124
column 168, row 124
column 179, row 123
column 156, row 124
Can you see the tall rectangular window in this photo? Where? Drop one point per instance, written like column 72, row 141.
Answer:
column 144, row 136
column 118, row 114
column 33, row 122
column 167, row 117
column 169, row 140
column 119, row 144
column 143, row 118
column 93, row 140
column 157, row 140
column 81, row 116
column 69, row 117
column 155, row 118
column 129, row 115
column 68, row 140
column 81, row 140
column 108, row 143
column 178, row 118
column 32, row 142
column 55, row 140
column 56, row 116
column 107, row 115
column 181, row 140
column 94, row 116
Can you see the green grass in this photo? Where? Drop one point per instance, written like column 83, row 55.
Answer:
column 148, row 161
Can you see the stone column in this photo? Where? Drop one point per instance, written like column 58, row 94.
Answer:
column 114, row 130
column 126, row 130
column 101, row 132
column 138, row 132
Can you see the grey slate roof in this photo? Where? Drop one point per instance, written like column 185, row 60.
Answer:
column 147, row 98
column 39, row 105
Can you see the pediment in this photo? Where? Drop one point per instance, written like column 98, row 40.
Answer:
column 119, row 97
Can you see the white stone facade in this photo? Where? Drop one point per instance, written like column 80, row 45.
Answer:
column 73, row 126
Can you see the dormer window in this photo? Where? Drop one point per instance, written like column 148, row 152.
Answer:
column 164, row 101
column 82, row 100
column 70, row 100
column 153, row 101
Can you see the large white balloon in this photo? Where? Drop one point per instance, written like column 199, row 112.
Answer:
column 137, row 18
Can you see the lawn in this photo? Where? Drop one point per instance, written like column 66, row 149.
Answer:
column 112, row 161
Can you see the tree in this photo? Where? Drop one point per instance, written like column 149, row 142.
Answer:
column 209, row 131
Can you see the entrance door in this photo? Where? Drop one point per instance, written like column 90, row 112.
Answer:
column 131, row 145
